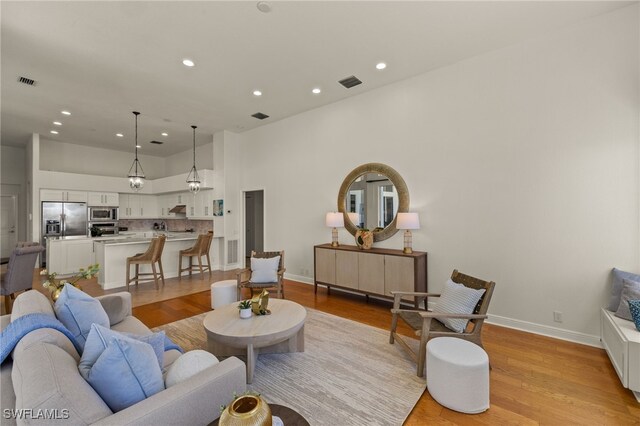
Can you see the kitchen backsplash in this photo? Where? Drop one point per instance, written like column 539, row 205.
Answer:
column 175, row 225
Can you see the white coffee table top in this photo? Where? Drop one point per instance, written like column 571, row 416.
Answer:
column 225, row 324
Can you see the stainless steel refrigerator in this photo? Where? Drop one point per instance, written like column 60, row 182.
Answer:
column 62, row 220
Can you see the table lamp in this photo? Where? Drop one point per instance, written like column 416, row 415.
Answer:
column 407, row 221
column 354, row 218
column 334, row 220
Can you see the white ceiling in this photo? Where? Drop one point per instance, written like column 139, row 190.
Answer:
column 102, row 60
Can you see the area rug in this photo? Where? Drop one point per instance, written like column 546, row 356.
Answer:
column 348, row 374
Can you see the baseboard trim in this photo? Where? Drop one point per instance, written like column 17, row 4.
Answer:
column 545, row 330
column 530, row 327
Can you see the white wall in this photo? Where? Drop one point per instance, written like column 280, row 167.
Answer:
column 522, row 163
column 183, row 161
column 71, row 158
column 14, row 182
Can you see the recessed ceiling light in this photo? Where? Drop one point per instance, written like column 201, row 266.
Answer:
column 66, row 112
column 316, row 90
column 165, row 134
column 257, row 93
column 57, row 123
column 381, row 66
column 120, row 135
column 138, row 146
column 55, row 132
column 263, row 7
column 188, row 62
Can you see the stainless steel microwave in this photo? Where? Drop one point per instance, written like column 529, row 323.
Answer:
column 103, row 213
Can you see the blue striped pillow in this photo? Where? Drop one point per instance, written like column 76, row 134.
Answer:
column 457, row 299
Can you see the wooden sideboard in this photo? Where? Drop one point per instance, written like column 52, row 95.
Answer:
column 371, row 272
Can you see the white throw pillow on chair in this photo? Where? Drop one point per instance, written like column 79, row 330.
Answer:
column 457, row 299
column 264, row 270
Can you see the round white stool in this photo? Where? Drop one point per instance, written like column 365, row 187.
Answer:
column 458, row 374
column 223, row 293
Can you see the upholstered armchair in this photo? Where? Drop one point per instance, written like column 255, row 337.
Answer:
column 263, row 273
column 19, row 273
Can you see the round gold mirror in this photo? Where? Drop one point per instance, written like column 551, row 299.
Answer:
column 370, row 197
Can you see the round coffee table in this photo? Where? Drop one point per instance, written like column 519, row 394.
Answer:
column 289, row 416
column 280, row 332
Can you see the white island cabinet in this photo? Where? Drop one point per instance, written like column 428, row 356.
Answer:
column 68, row 255
column 112, row 255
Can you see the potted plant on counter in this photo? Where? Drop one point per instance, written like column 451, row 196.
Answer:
column 245, row 309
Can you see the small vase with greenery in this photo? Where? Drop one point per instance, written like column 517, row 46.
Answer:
column 245, row 309
column 55, row 285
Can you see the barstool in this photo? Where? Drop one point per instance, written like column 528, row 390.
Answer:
column 199, row 249
column 152, row 256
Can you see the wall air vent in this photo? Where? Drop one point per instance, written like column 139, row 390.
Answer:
column 259, row 116
column 27, row 81
column 349, row 82
column 157, row 142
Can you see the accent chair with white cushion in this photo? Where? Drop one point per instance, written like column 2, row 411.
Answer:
column 459, row 312
column 267, row 271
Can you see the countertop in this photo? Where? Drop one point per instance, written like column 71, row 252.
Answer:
column 130, row 237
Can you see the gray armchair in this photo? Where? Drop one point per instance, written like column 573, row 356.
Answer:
column 19, row 273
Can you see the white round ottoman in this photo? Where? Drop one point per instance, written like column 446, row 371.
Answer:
column 458, row 374
column 223, row 293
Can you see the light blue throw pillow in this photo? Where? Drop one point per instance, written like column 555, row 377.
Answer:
column 98, row 340
column 616, row 288
column 125, row 373
column 78, row 311
column 264, row 270
column 630, row 291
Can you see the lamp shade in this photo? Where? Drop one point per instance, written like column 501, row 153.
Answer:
column 334, row 220
column 408, row 221
column 354, row 218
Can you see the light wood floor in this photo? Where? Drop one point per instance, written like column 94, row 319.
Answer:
column 534, row 379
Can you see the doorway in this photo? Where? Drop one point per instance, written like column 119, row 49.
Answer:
column 253, row 223
column 8, row 225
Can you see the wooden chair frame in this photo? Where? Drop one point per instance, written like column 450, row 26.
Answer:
column 200, row 248
column 244, row 275
column 152, row 256
column 421, row 320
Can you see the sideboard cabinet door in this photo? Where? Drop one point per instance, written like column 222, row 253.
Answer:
column 398, row 274
column 347, row 269
column 325, row 266
column 371, row 273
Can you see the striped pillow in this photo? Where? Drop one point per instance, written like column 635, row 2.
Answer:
column 457, row 299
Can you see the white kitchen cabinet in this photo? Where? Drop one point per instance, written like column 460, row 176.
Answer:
column 68, row 256
column 100, row 199
column 200, row 206
column 62, row 195
column 138, row 206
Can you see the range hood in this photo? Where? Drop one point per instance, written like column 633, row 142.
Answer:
column 179, row 209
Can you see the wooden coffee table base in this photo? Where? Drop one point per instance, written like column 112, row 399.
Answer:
column 294, row 343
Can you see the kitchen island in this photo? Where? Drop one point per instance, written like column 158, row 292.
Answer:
column 112, row 256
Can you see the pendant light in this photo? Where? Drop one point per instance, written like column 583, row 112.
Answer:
column 136, row 174
column 193, row 179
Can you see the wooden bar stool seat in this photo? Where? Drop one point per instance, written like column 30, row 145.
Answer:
column 200, row 248
column 152, row 256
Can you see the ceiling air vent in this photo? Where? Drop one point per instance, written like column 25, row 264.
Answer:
column 259, row 116
column 28, row 81
column 157, row 142
column 349, row 82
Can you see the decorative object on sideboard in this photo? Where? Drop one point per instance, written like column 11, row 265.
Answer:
column 334, row 220
column 246, row 410
column 408, row 221
column 136, row 174
column 364, row 239
column 193, row 180
column 388, row 195
column 244, row 307
column 55, row 285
